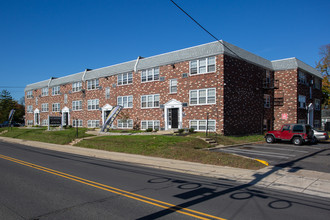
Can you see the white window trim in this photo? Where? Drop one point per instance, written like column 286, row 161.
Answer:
column 93, row 81
column 122, row 97
column 80, row 123
column 317, row 107
column 74, row 105
column 122, row 79
column 153, row 75
column 56, row 91
column 59, row 107
column 172, row 80
column 267, row 103
column 76, row 88
column 29, row 109
column 153, row 101
column 215, row 97
column 121, row 123
column 29, row 94
column 97, row 104
column 198, row 60
column 93, row 123
column 301, row 102
column 43, row 94
column 302, row 78
column 42, row 107
column 210, row 120
column 153, row 124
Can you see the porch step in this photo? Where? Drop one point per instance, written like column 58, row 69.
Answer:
column 166, row 132
column 210, row 141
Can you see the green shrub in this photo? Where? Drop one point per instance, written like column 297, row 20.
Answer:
column 181, row 131
column 191, row 130
column 149, row 130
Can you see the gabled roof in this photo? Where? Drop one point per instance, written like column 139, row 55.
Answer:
column 191, row 53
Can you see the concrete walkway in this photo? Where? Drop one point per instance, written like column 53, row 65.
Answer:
column 303, row 181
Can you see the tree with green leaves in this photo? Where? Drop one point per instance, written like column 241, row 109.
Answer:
column 324, row 67
column 7, row 103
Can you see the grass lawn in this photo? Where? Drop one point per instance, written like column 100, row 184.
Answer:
column 172, row 147
column 41, row 134
column 230, row 140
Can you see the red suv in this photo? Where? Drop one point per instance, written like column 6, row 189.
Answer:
column 296, row 133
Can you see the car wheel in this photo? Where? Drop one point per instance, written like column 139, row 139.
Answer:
column 297, row 141
column 270, row 139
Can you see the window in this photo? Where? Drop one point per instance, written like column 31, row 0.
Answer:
column 30, row 122
column 77, row 123
column 317, row 124
column 298, row 128
column 29, row 95
column 125, row 123
column 302, row 101
column 107, row 93
column 56, row 90
column 29, row 109
column 125, row 101
column 93, row 123
column 302, row 78
column 286, row 128
column 149, row 124
column 150, row 75
column 200, row 125
column 150, row 101
column 266, row 101
column 92, row 84
column 205, row 65
column 93, row 104
column 173, row 86
column 44, row 91
column 125, row 78
column 202, row 96
column 76, row 87
column 76, row 105
column 36, row 100
column 44, row 122
column 317, row 104
column 44, row 107
column 56, row 107
column 317, row 83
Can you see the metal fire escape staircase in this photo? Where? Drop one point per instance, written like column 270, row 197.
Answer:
column 111, row 117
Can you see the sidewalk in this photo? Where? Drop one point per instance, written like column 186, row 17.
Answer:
column 304, row 181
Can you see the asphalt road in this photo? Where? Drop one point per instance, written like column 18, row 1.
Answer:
column 309, row 157
column 43, row 184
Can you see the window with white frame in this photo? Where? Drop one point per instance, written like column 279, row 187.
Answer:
column 200, row 125
column 302, row 78
column 92, row 84
column 76, row 86
column 76, row 105
column 65, row 98
column 202, row 96
column 173, row 86
column 154, row 124
column 44, row 91
column 266, row 101
column 125, row 101
column 44, row 122
column 302, row 101
column 29, row 109
column 149, row 75
column 77, row 123
column 56, row 107
column 29, row 95
column 124, row 123
column 36, row 100
column 150, row 101
column 317, row 104
column 30, row 122
column 44, row 107
column 125, row 78
column 93, row 104
column 56, row 90
column 204, row 65
column 107, row 93
column 93, row 123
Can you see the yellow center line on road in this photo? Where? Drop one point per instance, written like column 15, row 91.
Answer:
column 158, row 203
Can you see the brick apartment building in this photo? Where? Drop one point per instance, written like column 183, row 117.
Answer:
column 239, row 92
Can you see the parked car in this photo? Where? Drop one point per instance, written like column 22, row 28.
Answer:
column 320, row 135
column 6, row 124
column 298, row 134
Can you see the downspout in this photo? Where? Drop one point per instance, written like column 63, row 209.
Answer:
column 83, row 77
column 136, row 63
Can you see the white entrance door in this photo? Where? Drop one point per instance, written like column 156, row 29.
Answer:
column 310, row 116
column 65, row 116
column 105, row 112
column 36, row 117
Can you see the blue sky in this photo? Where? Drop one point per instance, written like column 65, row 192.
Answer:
column 44, row 38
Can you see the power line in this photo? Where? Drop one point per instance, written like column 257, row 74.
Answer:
column 205, row 29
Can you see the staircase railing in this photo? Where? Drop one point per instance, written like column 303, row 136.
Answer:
column 111, row 118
